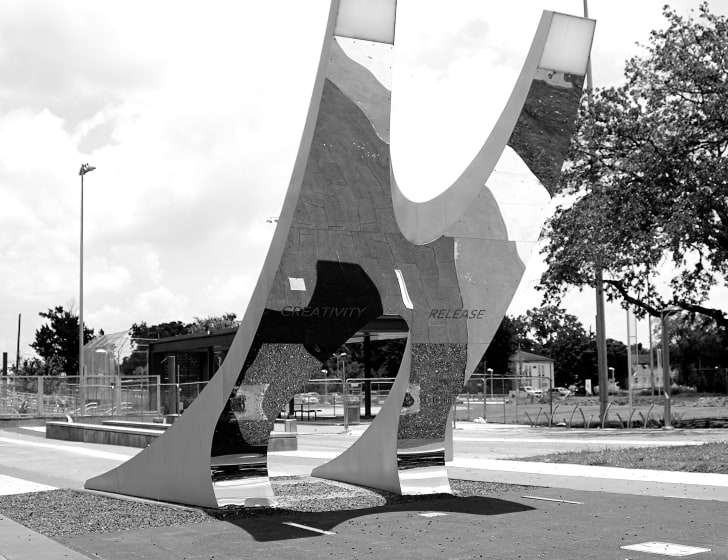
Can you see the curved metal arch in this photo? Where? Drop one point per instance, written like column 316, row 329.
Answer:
column 423, row 222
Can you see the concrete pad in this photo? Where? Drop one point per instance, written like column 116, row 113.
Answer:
column 11, row 485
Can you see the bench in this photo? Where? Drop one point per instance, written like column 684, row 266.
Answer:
column 283, row 441
column 133, row 435
column 135, row 424
column 231, row 463
column 99, row 433
column 308, row 412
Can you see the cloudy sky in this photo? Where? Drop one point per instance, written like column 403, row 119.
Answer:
column 192, row 117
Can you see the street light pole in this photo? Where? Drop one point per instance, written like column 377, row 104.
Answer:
column 666, row 381
column 85, row 168
column 346, row 392
column 601, row 334
column 489, row 371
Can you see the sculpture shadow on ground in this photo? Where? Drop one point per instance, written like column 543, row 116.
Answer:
column 266, row 524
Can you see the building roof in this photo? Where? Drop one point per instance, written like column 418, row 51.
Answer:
column 642, row 359
column 523, row 356
column 382, row 328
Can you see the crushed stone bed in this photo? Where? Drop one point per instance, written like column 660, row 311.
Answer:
column 68, row 513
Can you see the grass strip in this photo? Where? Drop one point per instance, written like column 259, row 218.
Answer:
column 704, row 458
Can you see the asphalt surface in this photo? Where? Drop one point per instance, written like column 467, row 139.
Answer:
column 571, row 512
column 596, row 526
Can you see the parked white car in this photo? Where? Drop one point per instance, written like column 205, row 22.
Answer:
column 531, row 392
column 306, row 398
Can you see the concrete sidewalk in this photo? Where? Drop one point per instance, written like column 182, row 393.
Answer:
column 636, row 482
column 19, row 543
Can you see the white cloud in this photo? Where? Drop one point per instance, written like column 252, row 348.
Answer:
column 160, row 305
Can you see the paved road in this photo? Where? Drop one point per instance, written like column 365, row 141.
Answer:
column 594, row 527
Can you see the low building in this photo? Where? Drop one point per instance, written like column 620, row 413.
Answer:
column 532, row 370
column 646, row 378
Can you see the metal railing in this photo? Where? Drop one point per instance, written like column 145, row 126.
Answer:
column 176, row 397
column 497, row 399
column 92, row 396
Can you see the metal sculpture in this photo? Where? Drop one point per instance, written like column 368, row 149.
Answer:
column 350, row 247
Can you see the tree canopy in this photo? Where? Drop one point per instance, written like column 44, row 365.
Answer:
column 647, row 178
column 57, row 341
column 162, row 330
column 176, row 328
column 211, row 324
column 502, row 347
column 698, row 347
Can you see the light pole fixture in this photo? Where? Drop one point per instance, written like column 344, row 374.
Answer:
column 666, row 381
column 345, row 394
column 85, row 168
column 611, row 380
column 489, row 371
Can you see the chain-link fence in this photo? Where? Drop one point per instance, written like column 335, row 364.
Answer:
column 93, row 396
column 32, row 395
column 497, row 399
column 506, row 399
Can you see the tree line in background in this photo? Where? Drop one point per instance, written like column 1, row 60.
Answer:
column 698, row 347
column 553, row 333
column 56, row 341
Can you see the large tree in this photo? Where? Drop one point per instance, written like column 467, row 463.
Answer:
column 560, row 336
column 646, row 184
column 697, row 346
column 211, row 324
column 502, row 347
column 57, row 340
column 162, row 330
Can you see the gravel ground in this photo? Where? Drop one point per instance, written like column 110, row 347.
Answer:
column 67, row 513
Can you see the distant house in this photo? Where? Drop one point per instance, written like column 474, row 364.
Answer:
column 532, row 370
column 643, row 378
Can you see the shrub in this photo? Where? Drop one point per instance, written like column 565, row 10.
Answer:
column 676, row 389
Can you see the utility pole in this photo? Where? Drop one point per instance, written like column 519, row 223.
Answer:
column 652, row 356
column 17, row 349
column 629, row 361
column 666, row 380
column 85, row 168
column 667, row 413
column 599, row 281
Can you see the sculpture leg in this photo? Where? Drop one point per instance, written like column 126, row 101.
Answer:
column 240, row 444
column 372, row 459
column 436, row 379
column 404, row 449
